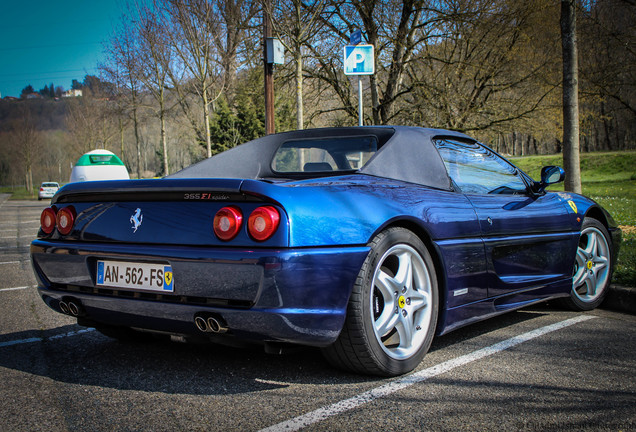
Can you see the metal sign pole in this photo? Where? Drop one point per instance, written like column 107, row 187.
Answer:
column 359, row 60
column 270, row 124
column 360, row 122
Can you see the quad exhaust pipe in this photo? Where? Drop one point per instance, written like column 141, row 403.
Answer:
column 210, row 324
column 72, row 307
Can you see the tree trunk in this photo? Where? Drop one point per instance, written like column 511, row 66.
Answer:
column 268, row 70
column 29, row 179
column 136, row 127
column 299, row 89
column 164, row 143
column 206, row 121
column 571, row 161
column 121, row 139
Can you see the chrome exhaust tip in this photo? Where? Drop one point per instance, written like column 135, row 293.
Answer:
column 74, row 309
column 216, row 326
column 208, row 323
column 64, row 308
column 201, row 324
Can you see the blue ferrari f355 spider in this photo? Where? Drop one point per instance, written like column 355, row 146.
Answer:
column 363, row 241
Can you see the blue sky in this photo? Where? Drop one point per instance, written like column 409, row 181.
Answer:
column 54, row 41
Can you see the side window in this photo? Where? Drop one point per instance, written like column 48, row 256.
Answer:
column 477, row 170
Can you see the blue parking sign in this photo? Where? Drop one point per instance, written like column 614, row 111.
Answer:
column 358, row 60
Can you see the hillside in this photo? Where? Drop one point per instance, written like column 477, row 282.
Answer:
column 49, row 113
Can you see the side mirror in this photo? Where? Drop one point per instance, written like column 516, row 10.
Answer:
column 550, row 175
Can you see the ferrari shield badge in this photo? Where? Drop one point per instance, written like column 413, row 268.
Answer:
column 136, row 220
column 573, row 206
column 167, row 278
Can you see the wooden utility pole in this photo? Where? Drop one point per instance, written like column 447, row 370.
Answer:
column 571, row 160
column 270, row 127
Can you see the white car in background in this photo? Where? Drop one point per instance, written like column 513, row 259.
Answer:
column 47, row 190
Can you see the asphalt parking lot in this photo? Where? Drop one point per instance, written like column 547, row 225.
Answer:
column 541, row 368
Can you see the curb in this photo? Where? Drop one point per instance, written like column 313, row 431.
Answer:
column 620, row 298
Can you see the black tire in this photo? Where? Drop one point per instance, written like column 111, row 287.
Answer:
column 592, row 269
column 389, row 335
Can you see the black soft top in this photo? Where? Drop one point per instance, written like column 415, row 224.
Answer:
column 404, row 153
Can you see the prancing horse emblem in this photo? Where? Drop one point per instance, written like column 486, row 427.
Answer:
column 136, row 220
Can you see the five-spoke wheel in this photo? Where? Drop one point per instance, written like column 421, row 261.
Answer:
column 401, row 301
column 392, row 311
column 592, row 267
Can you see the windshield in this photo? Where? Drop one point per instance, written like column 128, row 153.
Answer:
column 324, row 155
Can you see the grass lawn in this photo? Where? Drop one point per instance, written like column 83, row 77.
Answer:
column 19, row 193
column 610, row 180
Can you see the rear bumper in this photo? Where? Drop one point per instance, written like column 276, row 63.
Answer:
column 285, row 295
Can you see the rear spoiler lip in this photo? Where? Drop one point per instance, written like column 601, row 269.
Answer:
column 151, row 190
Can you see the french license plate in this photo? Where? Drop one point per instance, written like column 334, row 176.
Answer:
column 141, row 276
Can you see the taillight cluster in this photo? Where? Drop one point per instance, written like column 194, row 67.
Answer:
column 63, row 219
column 261, row 224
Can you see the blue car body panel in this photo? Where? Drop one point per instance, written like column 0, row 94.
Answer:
column 492, row 253
column 258, row 292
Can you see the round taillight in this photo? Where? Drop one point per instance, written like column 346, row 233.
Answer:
column 263, row 223
column 47, row 220
column 65, row 220
column 227, row 223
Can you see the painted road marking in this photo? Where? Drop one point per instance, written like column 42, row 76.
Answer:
column 16, row 237
column 39, row 339
column 418, row 377
column 17, row 288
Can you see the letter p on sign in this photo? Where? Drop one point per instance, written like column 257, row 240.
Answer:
column 359, row 60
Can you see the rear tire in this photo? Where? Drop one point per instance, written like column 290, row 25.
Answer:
column 392, row 311
column 592, row 271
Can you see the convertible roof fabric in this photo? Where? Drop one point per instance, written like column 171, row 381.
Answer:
column 404, row 153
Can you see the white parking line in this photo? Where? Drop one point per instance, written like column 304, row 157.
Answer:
column 33, row 236
column 31, row 340
column 418, row 377
column 10, row 262
column 18, row 288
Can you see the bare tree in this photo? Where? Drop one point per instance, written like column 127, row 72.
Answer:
column 118, row 102
column 26, row 141
column 235, row 17
column 571, row 160
column 394, row 36
column 89, row 123
column 481, row 69
column 155, row 62
column 298, row 22
column 124, row 63
column 607, row 73
column 193, row 26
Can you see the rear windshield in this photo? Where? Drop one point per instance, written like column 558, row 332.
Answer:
column 324, row 155
column 50, row 185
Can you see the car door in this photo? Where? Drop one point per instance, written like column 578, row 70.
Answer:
column 528, row 238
